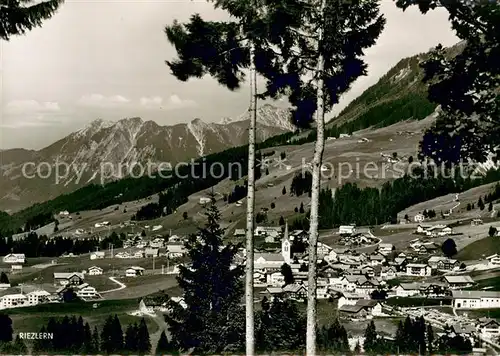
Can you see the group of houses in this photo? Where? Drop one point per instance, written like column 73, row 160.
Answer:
column 434, row 230
column 146, row 249
column 353, row 277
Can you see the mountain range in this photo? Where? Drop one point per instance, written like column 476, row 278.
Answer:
column 105, row 150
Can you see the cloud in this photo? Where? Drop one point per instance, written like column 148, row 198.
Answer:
column 31, row 106
column 173, row 102
column 99, row 100
column 155, row 101
column 176, row 102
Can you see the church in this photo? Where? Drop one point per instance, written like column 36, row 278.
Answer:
column 275, row 260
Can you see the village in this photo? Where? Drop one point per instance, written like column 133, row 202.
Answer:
column 359, row 275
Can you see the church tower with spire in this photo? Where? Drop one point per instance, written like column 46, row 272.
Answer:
column 286, row 246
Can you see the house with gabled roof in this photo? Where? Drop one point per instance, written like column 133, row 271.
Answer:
column 407, row 289
column 17, row 258
column 458, row 282
column 362, row 308
column 418, row 269
column 68, row 278
column 488, row 327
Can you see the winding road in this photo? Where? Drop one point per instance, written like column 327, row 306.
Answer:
column 121, row 286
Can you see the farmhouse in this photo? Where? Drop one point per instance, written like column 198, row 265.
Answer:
column 14, row 258
column 134, row 271
column 488, row 327
column 97, row 255
column 458, row 282
column 418, row 269
column 347, row 229
column 68, row 278
column 388, row 272
column 239, row 233
column 476, row 222
column 443, row 263
column 349, row 299
column 475, row 299
column 407, row 289
column 385, row 249
column 151, row 252
column 419, row 218
column 175, row 250
column 363, row 307
column 493, row 259
column 95, row 271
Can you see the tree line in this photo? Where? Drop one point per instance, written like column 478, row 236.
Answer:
column 373, row 206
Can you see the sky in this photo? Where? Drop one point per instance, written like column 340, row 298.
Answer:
column 106, row 59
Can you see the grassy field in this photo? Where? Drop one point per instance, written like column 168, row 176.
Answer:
column 480, row 249
column 31, row 319
column 492, row 284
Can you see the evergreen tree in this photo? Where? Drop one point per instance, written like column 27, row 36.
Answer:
column 492, row 231
column 464, row 83
column 116, row 334
column 96, row 345
column 286, row 271
column 213, row 320
column 490, row 206
column 469, row 207
column 370, row 343
column 281, row 327
column 164, row 347
column 301, row 209
column 4, row 279
column 6, row 330
column 449, row 248
column 88, row 344
column 131, row 338
column 143, row 341
column 106, row 338
column 282, row 221
column 18, row 17
column 283, row 192
column 430, row 338
column 480, row 203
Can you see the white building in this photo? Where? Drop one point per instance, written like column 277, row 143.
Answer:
column 407, row 289
column 347, row 229
column 134, row 271
column 97, row 255
column 14, row 258
column 205, row 200
column 349, row 299
column 493, row 259
column 86, row 292
column 475, row 299
column 95, row 271
column 175, row 250
column 419, row 218
column 13, row 301
column 38, row 297
column 418, row 269
column 385, row 249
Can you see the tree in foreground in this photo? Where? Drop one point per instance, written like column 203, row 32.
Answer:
column 449, row 248
column 164, row 347
column 223, row 50
column 18, row 17
column 464, row 84
column 329, row 44
column 213, row 320
column 281, row 327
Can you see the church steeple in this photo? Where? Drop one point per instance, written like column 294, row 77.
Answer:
column 286, row 246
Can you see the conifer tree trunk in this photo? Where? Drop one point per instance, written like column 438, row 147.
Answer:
column 314, row 216
column 250, row 325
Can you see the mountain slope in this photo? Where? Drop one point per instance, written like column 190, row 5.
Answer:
column 105, row 150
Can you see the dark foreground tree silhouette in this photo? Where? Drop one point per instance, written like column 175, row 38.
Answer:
column 213, row 318
column 465, row 85
column 19, row 16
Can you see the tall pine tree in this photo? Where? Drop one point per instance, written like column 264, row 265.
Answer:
column 18, row 17
column 212, row 322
